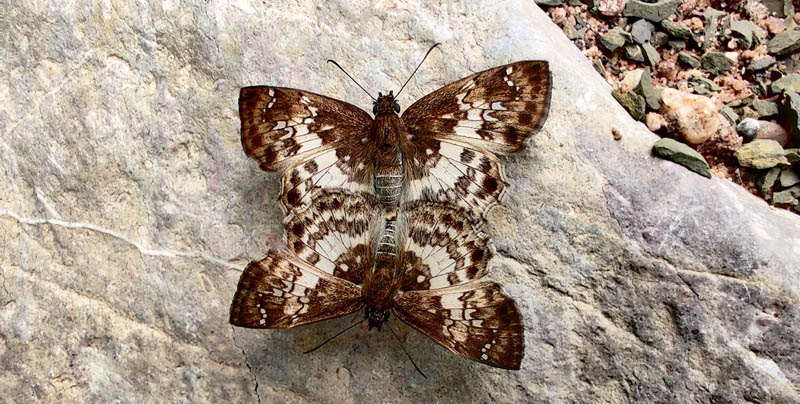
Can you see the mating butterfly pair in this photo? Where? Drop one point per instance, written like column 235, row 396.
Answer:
column 431, row 281
column 420, row 260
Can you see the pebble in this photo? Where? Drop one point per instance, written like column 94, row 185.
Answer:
column 610, row 8
column 787, row 82
column 765, row 181
column 654, row 121
column 655, row 12
column 787, row 196
column 614, row 38
column 716, row 62
column 688, row 59
column 760, row 64
column 632, row 102
column 788, row 178
column 761, row 154
column 651, row 55
column 695, row 117
column 642, row 30
column 785, row 43
column 747, row 129
column 676, row 29
column 772, row 131
column 682, row 154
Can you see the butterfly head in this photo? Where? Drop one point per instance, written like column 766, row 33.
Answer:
column 385, row 104
column 375, row 317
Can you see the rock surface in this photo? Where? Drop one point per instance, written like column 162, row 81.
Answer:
column 128, row 209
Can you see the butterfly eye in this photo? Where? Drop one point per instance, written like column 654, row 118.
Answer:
column 374, row 109
column 396, row 107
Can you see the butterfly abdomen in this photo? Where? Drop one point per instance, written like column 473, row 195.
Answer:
column 389, row 174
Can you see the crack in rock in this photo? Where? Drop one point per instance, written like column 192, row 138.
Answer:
column 142, row 249
column 247, row 363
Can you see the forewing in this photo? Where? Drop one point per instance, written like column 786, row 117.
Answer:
column 334, row 233
column 495, row 110
column 315, row 140
column 475, row 320
column 443, row 247
column 284, row 292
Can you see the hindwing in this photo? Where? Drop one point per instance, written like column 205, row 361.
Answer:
column 282, row 291
column 475, row 320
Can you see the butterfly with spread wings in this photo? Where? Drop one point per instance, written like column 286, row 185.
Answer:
column 444, row 147
column 425, row 268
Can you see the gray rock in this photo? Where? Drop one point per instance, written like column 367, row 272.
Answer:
column 761, row 153
column 632, row 102
column 710, row 15
column 729, row 114
column 655, row 12
column 651, row 55
column 761, row 64
column 789, row 111
column 677, row 44
column 688, row 59
column 634, row 52
column 642, row 30
column 784, row 43
column 572, row 33
column 765, row 108
column 716, row 63
column 128, row 211
column 614, row 38
column 787, row 196
column 787, row 82
column 647, row 91
column 788, row 178
column 746, row 32
column 767, row 179
column 793, row 155
column 747, row 129
column 703, row 86
column 549, row 2
column 659, row 39
column 682, row 154
column 676, row 29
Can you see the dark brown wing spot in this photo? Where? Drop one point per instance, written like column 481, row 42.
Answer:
column 525, row 118
column 489, row 184
column 467, row 155
column 293, row 197
column 311, row 166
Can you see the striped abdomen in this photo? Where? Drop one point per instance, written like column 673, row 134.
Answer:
column 389, row 180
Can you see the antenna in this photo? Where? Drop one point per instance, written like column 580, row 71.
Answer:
column 415, row 70
column 351, row 78
column 331, row 338
column 404, row 348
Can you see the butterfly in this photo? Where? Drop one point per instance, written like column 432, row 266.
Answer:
column 425, row 268
column 443, row 147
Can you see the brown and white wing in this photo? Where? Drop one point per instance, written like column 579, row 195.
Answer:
column 281, row 291
column 334, row 233
column 314, row 140
column 443, row 246
column 496, row 110
column 475, row 320
column 455, row 132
